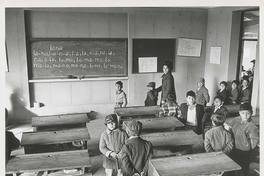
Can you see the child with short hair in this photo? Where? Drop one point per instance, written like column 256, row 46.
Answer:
column 216, row 108
column 217, row 138
column 192, row 113
column 223, row 92
column 170, row 107
column 152, row 95
column 234, row 92
column 111, row 142
column 246, row 136
column 121, row 99
column 245, row 93
column 202, row 95
column 136, row 153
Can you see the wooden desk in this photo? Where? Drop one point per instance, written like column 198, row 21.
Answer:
column 48, row 161
column 137, row 111
column 55, row 122
column 192, row 165
column 55, row 137
column 175, row 138
column 158, row 123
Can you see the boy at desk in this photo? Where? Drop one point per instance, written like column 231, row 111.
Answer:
column 170, row 107
column 111, row 142
column 246, row 136
column 152, row 95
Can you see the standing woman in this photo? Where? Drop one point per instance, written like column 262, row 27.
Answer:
column 167, row 86
column 121, row 99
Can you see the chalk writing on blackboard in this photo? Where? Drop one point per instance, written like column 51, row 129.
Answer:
column 81, row 58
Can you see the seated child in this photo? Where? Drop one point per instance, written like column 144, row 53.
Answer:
column 170, row 107
column 245, row 93
column 192, row 113
column 217, row 138
column 234, row 92
column 152, row 95
column 121, row 100
column 246, row 136
column 216, row 108
column 202, row 95
column 136, row 153
column 111, row 142
column 223, row 92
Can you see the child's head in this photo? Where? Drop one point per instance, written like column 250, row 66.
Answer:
column 200, row 82
column 134, row 128
column 119, row 85
column 222, row 85
column 190, row 97
column 151, row 85
column 245, row 82
column 166, row 67
column 218, row 101
column 111, row 121
column 170, row 98
column 235, row 83
column 217, row 119
column 245, row 111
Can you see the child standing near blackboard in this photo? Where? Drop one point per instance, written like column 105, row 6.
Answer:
column 152, row 95
column 121, row 100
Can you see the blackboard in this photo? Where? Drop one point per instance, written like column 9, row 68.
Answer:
column 163, row 49
column 70, row 58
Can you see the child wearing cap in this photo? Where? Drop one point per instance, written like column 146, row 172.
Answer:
column 217, row 108
column 111, row 142
column 192, row 113
column 202, row 95
column 152, row 95
column 246, row 136
column 223, row 92
column 121, row 99
column 136, row 153
column 217, row 138
column 170, row 107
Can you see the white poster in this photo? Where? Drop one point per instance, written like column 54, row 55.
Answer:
column 215, row 55
column 189, row 47
column 147, row 64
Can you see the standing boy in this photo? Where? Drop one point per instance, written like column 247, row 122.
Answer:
column 111, row 142
column 202, row 95
column 136, row 153
column 152, row 95
column 246, row 136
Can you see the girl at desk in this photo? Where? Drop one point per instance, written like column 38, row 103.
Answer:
column 121, row 100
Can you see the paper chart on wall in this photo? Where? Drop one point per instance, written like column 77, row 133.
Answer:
column 215, row 55
column 147, row 64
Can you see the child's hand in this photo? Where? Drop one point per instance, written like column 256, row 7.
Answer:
column 227, row 127
column 113, row 155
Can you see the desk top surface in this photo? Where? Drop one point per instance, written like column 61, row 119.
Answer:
column 194, row 164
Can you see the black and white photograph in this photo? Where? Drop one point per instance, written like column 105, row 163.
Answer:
column 132, row 91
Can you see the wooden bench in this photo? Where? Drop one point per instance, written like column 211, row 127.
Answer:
column 137, row 112
column 158, row 123
column 48, row 161
column 63, row 121
column 173, row 138
column 32, row 140
column 192, row 165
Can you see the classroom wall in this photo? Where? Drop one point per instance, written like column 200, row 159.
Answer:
column 71, row 97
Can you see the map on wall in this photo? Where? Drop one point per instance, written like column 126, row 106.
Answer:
column 189, row 47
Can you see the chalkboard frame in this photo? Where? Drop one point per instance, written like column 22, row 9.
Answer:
column 135, row 60
column 30, row 75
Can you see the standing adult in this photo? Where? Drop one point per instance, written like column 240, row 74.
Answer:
column 167, row 88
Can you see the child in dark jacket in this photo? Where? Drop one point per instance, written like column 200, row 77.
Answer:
column 218, row 138
column 136, row 153
column 234, row 92
column 216, row 108
column 223, row 92
column 111, row 142
column 245, row 93
column 152, row 95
